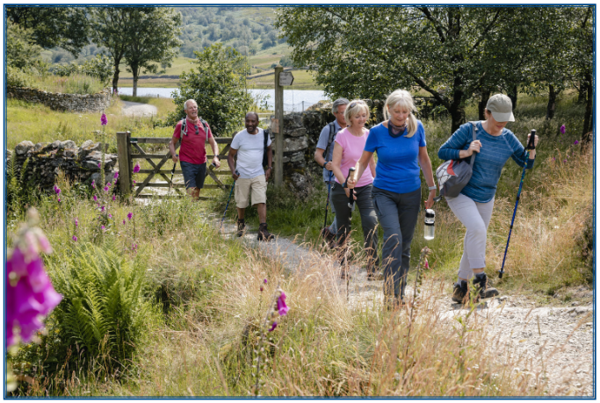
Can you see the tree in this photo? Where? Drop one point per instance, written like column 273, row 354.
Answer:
column 142, row 36
column 66, row 27
column 450, row 52
column 110, row 27
column 218, row 85
column 155, row 40
column 21, row 50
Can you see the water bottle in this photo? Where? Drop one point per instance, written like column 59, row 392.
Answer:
column 429, row 224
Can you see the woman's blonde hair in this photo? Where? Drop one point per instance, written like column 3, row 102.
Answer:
column 404, row 100
column 354, row 108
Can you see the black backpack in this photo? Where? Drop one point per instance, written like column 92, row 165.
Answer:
column 332, row 134
column 265, row 161
column 184, row 127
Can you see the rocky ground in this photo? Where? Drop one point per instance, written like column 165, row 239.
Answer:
column 552, row 344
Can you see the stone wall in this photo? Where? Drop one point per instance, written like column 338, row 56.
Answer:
column 45, row 160
column 62, row 102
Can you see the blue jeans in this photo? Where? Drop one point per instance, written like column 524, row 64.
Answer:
column 398, row 214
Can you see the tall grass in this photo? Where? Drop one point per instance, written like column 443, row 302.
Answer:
column 74, row 84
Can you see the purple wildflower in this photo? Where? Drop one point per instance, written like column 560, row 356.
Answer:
column 76, row 222
column 134, row 247
column 576, row 142
column 129, row 215
column 103, row 120
column 553, row 158
column 261, row 288
column 123, row 222
column 59, row 199
column 110, row 216
column 136, row 168
column 281, row 306
column 99, row 165
column 106, row 188
column 114, row 198
column 74, row 238
column 93, row 184
column 102, row 208
column 103, row 228
column 56, row 190
column 273, row 326
column 265, row 281
column 116, row 176
column 565, row 161
column 29, row 292
column 563, row 129
column 95, row 198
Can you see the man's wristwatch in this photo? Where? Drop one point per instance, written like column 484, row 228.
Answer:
column 269, row 167
column 433, row 187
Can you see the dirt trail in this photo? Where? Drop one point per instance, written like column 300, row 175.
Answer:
column 559, row 340
column 138, row 109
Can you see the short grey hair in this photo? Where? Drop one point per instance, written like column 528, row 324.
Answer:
column 337, row 103
column 186, row 102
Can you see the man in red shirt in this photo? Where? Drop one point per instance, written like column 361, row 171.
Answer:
column 193, row 149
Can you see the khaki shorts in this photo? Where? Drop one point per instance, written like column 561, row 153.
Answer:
column 258, row 186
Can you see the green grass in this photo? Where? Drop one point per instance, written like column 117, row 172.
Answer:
column 208, row 287
column 74, row 84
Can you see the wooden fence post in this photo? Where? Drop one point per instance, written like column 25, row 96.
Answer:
column 123, row 153
column 279, row 134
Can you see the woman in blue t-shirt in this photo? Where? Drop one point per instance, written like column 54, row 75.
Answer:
column 401, row 153
column 494, row 145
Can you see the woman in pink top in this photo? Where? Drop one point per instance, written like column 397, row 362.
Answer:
column 348, row 147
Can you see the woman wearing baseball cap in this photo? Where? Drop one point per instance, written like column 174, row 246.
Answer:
column 473, row 206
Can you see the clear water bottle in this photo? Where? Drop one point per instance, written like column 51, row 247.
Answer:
column 429, row 224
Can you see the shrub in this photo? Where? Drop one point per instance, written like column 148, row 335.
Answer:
column 16, row 77
column 104, row 313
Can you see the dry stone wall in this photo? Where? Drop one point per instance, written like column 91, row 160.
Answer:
column 46, row 160
column 62, row 102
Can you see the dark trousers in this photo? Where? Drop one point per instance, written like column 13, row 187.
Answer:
column 397, row 213
column 368, row 218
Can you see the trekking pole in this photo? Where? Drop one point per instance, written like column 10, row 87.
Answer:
column 530, row 146
column 351, row 195
column 228, row 200
column 172, row 173
column 328, row 194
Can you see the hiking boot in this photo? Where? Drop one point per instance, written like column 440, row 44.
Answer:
column 328, row 236
column 263, row 233
column 373, row 274
column 480, row 285
column 241, row 224
column 460, row 292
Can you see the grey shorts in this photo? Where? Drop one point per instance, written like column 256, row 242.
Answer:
column 193, row 174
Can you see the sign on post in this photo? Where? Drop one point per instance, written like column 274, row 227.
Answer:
column 286, row 78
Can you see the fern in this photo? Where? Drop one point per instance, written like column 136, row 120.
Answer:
column 104, row 309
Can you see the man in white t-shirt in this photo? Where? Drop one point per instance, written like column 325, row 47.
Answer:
column 248, row 173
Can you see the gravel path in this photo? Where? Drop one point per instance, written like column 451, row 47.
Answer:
column 557, row 342
column 138, row 109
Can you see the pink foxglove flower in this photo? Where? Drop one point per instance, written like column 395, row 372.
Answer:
column 129, row 216
column 103, row 228
column 106, row 188
column 281, row 306
column 56, row 190
column 116, row 176
column 114, row 198
column 102, row 208
column 29, row 292
column 95, row 198
column 99, row 165
column 110, row 216
column 103, row 120
column 93, row 184
column 123, row 222
column 563, row 129
column 265, row 281
column 76, row 222
column 273, row 326
column 576, row 142
column 136, row 168
column 74, row 238
column 59, row 199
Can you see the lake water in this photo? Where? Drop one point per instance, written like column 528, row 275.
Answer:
column 293, row 100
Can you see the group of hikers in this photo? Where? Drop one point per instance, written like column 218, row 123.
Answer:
column 386, row 193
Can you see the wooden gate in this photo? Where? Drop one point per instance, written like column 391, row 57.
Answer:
column 128, row 149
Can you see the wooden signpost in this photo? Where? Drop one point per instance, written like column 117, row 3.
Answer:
column 282, row 79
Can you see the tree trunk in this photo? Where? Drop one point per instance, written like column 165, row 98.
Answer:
column 582, row 91
column 135, row 80
column 485, row 95
column 115, row 82
column 513, row 95
column 588, row 119
column 551, row 103
column 458, row 116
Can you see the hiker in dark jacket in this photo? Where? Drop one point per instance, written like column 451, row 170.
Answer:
column 473, row 206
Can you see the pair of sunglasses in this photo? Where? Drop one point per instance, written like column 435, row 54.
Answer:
column 197, row 129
